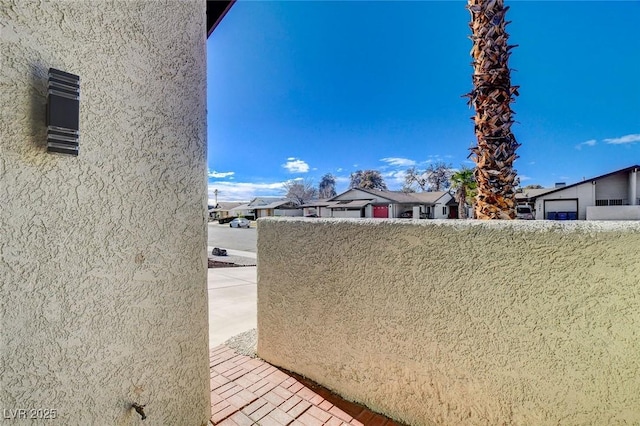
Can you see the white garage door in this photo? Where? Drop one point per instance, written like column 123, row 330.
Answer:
column 561, row 209
column 347, row 213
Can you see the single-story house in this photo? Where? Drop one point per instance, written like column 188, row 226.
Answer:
column 222, row 210
column 528, row 196
column 359, row 202
column 243, row 210
column 613, row 196
column 316, row 208
column 273, row 206
column 439, row 204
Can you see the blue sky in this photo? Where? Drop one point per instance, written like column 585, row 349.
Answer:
column 297, row 89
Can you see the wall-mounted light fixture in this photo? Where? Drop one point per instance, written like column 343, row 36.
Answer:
column 63, row 112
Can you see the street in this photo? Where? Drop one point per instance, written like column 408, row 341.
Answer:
column 223, row 236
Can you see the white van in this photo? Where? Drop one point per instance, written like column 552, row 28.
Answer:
column 524, row 212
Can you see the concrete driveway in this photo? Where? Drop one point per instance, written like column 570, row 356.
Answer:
column 232, row 291
column 232, row 294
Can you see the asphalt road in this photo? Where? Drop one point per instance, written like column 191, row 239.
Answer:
column 225, row 237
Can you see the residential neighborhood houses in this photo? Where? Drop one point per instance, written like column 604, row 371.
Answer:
column 612, row 196
column 372, row 203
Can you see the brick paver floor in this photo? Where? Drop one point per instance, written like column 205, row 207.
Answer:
column 249, row 391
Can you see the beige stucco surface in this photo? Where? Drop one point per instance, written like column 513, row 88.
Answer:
column 103, row 298
column 458, row 322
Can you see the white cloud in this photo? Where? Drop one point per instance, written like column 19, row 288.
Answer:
column 624, row 139
column 244, row 191
column 590, row 142
column 398, row 162
column 220, row 175
column 295, row 165
column 394, row 179
column 524, row 177
column 339, row 169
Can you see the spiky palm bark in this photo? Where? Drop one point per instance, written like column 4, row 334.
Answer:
column 491, row 97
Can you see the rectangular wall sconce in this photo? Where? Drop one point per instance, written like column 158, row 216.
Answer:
column 63, row 113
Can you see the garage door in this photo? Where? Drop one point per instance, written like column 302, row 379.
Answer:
column 381, row 211
column 561, row 209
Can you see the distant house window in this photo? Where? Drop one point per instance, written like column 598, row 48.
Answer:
column 444, row 210
column 617, row 202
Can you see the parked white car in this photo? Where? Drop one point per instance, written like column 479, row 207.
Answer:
column 240, row 222
column 524, row 213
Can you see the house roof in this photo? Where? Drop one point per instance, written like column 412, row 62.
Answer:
column 528, row 194
column 429, row 197
column 216, row 9
column 349, row 204
column 274, row 205
column 401, row 197
column 264, row 201
column 397, row 196
column 241, row 207
column 626, row 169
column 269, row 203
column 224, row 206
column 316, row 203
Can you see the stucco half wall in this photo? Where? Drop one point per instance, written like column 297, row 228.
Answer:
column 103, row 299
column 458, row 322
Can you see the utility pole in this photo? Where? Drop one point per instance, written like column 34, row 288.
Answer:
column 215, row 193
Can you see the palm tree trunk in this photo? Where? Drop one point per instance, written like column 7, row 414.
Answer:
column 491, row 97
column 462, row 201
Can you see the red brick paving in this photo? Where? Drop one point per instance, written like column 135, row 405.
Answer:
column 248, row 392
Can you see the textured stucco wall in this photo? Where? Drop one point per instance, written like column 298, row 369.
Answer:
column 102, row 257
column 458, row 322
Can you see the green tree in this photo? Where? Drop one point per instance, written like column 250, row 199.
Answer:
column 463, row 182
column 491, row 99
column 367, row 179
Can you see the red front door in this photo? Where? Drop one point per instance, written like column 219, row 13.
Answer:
column 453, row 212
